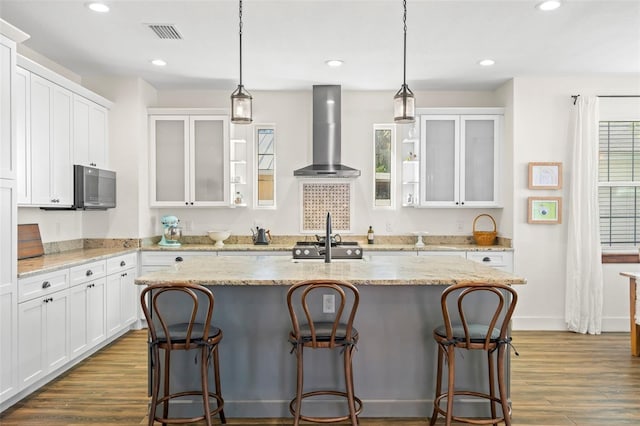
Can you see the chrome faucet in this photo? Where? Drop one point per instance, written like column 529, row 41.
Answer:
column 327, row 240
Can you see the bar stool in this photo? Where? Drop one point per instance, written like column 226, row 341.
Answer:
column 170, row 332
column 331, row 331
column 490, row 336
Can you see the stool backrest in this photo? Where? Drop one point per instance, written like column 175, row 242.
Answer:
column 161, row 319
column 496, row 318
column 302, row 294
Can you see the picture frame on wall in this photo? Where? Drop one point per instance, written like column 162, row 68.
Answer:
column 545, row 210
column 545, row 175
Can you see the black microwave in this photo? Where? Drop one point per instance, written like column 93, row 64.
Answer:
column 93, row 189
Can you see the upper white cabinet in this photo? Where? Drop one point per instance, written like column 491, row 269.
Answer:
column 460, row 161
column 189, row 160
column 89, row 133
column 58, row 123
column 7, row 122
column 51, row 171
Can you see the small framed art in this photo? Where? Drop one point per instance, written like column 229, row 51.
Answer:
column 545, row 175
column 545, row 210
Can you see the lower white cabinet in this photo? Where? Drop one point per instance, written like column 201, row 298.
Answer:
column 502, row 260
column 8, row 341
column 43, row 339
column 121, row 293
column 87, row 313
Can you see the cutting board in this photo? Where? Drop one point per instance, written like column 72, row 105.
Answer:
column 29, row 241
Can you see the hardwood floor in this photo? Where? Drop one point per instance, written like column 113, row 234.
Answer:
column 560, row 378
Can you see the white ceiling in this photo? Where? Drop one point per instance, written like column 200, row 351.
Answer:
column 286, row 42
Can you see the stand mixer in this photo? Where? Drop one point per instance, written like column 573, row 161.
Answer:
column 171, row 232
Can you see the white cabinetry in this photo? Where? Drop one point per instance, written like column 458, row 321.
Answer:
column 22, row 105
column 7, row 126
column 50, row 129
column 43, row 323
column 238, row 172
column 8, row 290
column 440, row 253
column 121, row 293
column 410, row 173
column 87, row 302
column 502, row 260
column 189, row 160
column 460, row 157
column 89, row 133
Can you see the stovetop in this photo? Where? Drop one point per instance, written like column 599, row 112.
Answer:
column 315, row 250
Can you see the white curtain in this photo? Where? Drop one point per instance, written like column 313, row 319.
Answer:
column 583, row 305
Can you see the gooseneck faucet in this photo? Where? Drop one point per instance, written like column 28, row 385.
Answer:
column 327, row 240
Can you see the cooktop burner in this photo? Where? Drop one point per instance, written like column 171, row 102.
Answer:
column 315, row 250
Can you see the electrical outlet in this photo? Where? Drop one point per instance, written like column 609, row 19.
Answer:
column 389, row 227
column 188, row 225
column 328, row 303
column 460, row 225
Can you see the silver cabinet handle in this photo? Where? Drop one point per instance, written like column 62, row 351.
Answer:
column 46, row 284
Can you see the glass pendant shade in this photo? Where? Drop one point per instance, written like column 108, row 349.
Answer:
column 241, row 106
column 404, row 106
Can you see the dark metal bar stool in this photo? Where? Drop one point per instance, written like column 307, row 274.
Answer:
column 182, row 334
column 331, row 331
column 490, row 336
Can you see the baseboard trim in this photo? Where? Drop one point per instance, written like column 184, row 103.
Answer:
column 609, row 324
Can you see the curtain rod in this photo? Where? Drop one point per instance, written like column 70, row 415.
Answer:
column 575, row 97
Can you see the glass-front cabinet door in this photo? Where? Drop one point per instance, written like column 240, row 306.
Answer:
column 384, row 138
column 189, row 160
column 209, row 160
column 440, row 152
column 479, row 136
column 460, row 160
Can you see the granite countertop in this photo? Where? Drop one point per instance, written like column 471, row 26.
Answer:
column 67, row 259
column 281, row 270
column 366, row 247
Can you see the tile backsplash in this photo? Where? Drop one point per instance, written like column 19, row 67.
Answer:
column 318, row 198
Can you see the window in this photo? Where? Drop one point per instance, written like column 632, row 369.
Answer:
column 619, row 183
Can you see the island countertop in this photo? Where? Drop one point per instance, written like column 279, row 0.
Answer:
column 279, row 270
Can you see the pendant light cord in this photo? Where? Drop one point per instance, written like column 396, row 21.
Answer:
column 404, row 21
column 240, row 32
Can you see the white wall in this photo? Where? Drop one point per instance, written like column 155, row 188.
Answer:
column 541, row 119
column 291, row 112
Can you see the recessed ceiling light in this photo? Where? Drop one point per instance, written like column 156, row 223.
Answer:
column 334, row 63
column 549, row 5
column 487, row 62
column 159, row 62
column 98, row 7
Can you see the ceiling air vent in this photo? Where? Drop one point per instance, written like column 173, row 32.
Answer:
column 165, row 31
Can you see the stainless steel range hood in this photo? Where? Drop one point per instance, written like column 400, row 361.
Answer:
column 326, row 136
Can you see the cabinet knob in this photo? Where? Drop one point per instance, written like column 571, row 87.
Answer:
column 462, row 202
column 457, row 203
column 179, row 259
column 186, row 203
column 123, row 263
column 46, row 284
column 124, row 274
column 486, row 259
column 89, row 272
column 192, row 203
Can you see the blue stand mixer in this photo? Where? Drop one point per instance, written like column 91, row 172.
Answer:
column 171, row 232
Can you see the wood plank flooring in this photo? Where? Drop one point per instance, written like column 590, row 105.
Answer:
column 560, row 378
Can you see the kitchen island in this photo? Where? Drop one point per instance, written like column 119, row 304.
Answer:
column 394, row 367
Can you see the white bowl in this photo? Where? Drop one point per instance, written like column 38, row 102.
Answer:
column 219, row 237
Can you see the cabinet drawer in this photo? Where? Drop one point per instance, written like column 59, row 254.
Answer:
column 43, row 284
column 88, row 271
column 170, row 258
column 499, row 260
column 121, row 263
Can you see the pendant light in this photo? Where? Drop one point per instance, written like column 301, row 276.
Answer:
column 240, row 98
column 404, row 105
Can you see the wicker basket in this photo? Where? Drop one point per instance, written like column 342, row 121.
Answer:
column 485, row 238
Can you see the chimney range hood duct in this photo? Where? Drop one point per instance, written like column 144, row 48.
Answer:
column 326, row 136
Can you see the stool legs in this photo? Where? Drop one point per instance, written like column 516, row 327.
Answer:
column 491, row 385
column 502, row 387
column 155, row 360
column 348, row 376
column 204, row 378
column 216, row 372
column 300, row 368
